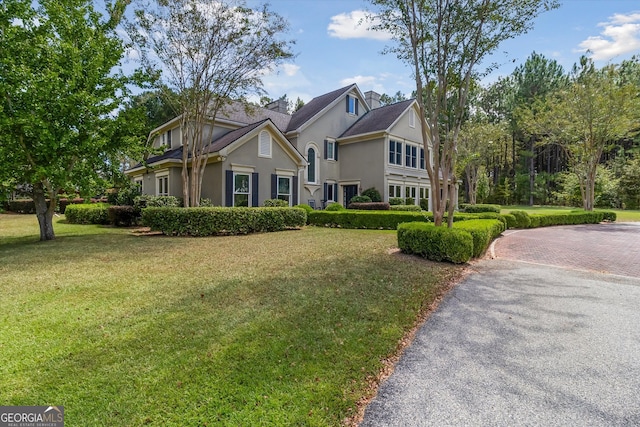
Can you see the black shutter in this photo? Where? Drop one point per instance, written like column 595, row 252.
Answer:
column 326, row 149
column 274, row 186
column 228, row 185
column 255, row 190
column 295, row 191
column 335, row 192
column 348, row 103
column 335, row 150
column 356, row 103
column 326, row 190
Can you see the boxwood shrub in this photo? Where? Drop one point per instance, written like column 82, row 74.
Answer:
column 374, row 220
column 478, row 208
column 406, row 208
column 396, row 201
column 522, row 219
column 122, row 216
column 94, row 213
column 369, row 206
column 483, row 232
column 435, row 243
column 569, row 218
column 222, row 221
column 335, row 206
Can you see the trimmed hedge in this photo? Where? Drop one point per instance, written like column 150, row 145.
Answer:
column 435, row 243
column 122, row 216
column 27, row 206
column 95, row 213
column 370, row 206
column 374, row 220
column 406, row 208
column 522, row 219
column 478, row 208
column 483, row 232
column 275, row 203
column 525, row 220
column 360, row 199
column 222, row 221
column 393, row 201
column 334, row 207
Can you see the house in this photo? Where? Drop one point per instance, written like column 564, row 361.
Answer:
column 330, row 150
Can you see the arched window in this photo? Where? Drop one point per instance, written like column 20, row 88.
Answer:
column 311, row 167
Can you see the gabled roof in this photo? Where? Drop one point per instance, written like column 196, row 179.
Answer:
column 230, row 137
column 237, row 113
column 378, row 119
column 315, row 106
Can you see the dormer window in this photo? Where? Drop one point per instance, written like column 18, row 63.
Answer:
column 352, row 105
column 264, row 144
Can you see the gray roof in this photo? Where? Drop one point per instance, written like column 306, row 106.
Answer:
column 313, row 107
column 378, row 119
column 232, row 136
column 236, row 112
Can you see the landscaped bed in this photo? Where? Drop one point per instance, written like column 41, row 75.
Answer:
column 284, row 328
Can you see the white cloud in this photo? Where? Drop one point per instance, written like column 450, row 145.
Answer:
column 290, row 69
column 354, row 25
column 620, row 35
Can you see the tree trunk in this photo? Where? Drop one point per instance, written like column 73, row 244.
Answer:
column 44, row 212
column 532, row 175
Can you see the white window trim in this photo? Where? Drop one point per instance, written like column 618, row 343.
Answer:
column 285, row 172
column 233, row 197
column 158, row 176
column 317, row 158
column 260, row 151
column 394, row 184
column 278, row 194
column 246, row 169
column 333, row 157
column 331, row 183
column 412, row 119
column 408, row 146
column 138, row 180
column 402, row 153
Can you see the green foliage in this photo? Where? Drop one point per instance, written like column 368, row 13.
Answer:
column 95, row 213
column 306, row 207
column 275, row 203
column 483, row 232
column 394, row 201
column 409, row 201
column 222, row 221
column 371, row 206
column 27, row 206
column 148, row 201
column 335, row 207
column 424, row 204
column 510, row 220
column 570, row 218
column 435, row 243
column 206, row 203
column 477, row 208
column 406, row 208
column 373, row 194
column 373, row 220
column 122, row 216
column 629, row 184
column 360, row 199
column 522, row 219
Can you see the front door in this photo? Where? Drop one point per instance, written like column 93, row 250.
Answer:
column 348, row 192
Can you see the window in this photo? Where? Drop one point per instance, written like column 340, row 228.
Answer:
column 331, row 150
column 422, row 165
column 284, row 188
column 412, row 119
column 241, row 189
column 410, row 195
column 169, row 139
column 330, row 192
column 137, row 183
column 410, row 158
column 264, row 144
column 162, row 185
column 395, row 152
column 352, row 105
column 395, row 190
column 311, row 165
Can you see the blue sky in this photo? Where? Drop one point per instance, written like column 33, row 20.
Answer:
column 332, row 52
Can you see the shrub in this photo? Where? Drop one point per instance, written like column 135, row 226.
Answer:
column 148, row 201
column 370, row 206
column 360, row 199
column 95, row 213
column 373, row 220
column 373, row 194
column 393, row 201
column 435, row 243
column 406, row 208
column 478, row 208
column 522, row 219
column 21, row 206
column 609, row 216
column 334, row 206
column 409, row 201
column 306, row 207
column 570, row 218
column 63, row 203
column 483, row 232
column 126, row 196
column 511, row 220
column 219, row 221
column 122, row 216
column 206, row 203
column 276, row 203
column 424, row 204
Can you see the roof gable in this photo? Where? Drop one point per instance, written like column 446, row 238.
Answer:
column 314, row 107
column 379, row 119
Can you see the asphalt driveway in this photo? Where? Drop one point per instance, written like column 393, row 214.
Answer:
column 545, row 334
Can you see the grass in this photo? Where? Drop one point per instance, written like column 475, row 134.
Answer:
column 622, row 215
column 269, row 329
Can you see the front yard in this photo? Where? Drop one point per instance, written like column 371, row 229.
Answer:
column 282, row 328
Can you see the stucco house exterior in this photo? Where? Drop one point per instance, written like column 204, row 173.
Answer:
column 330, row 150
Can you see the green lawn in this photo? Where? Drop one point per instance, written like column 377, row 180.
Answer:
column 622, row 215
column 269, row 329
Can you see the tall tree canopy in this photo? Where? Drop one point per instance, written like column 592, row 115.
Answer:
column 444, row 41
column 58, row 92
column 210, row 52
